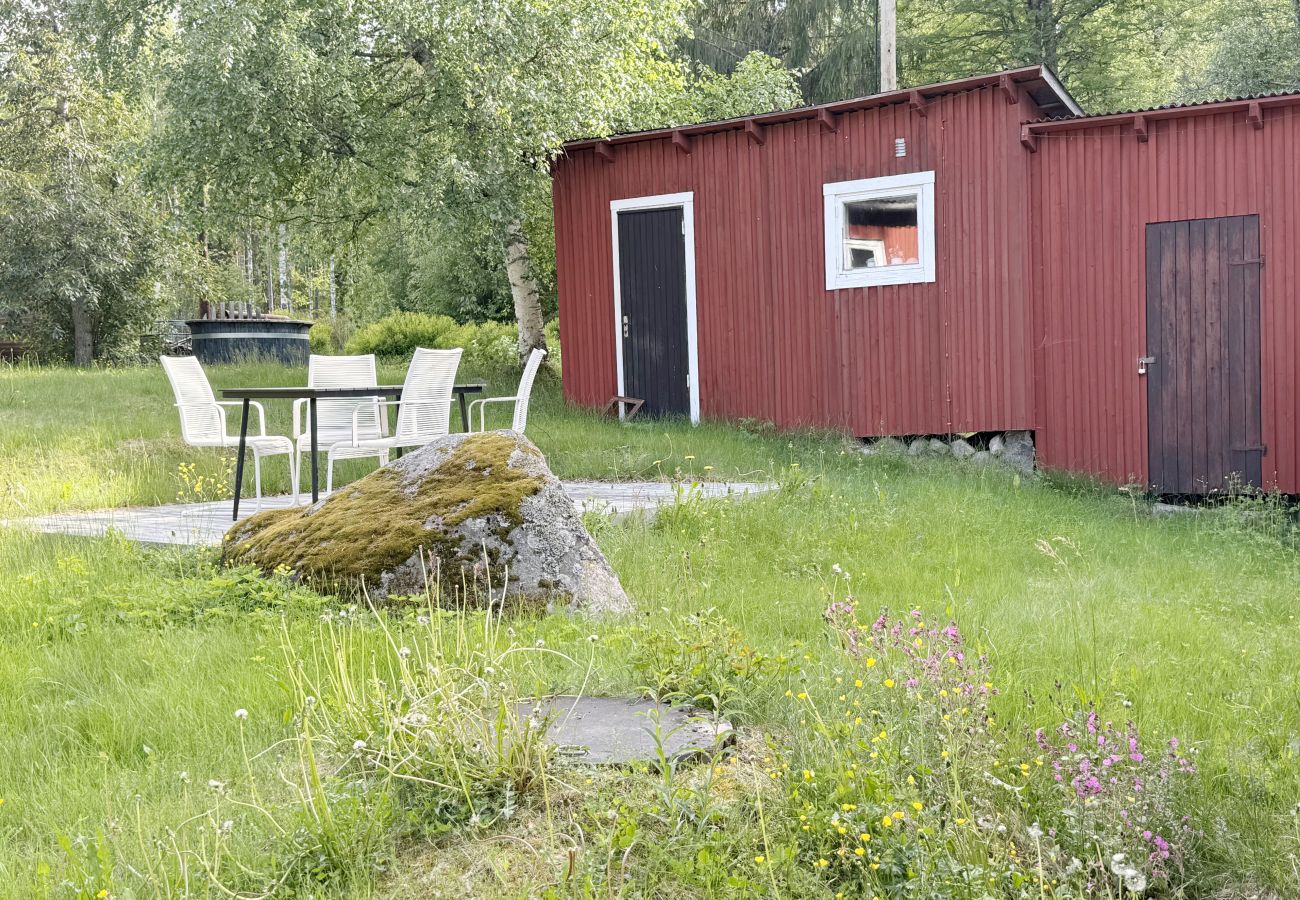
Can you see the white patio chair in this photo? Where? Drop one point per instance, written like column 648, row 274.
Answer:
column 203, row 419
column 424, row 411
column 520, row 398
column 338, row 420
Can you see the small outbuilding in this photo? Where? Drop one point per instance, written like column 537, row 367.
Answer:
column 974, row 256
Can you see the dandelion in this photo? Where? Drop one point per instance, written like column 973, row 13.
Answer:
column 886, row 821
column 889, row 682
column 421, row 620
column 760, row 859
column 227, row 825
column 358, row 746
column 871, row 662
column 802, row 695
column 822, row 863
column 917, row 805
column 860, row 851
column 404, row 652
column 241, row 714
column 857, row 683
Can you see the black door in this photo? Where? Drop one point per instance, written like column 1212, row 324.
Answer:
column 1203, row 374
column 652, row 288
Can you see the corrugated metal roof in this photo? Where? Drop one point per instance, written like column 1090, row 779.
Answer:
column 1039, row 81
column 1170, row 110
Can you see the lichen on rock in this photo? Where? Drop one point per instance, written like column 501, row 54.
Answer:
column 471, row 510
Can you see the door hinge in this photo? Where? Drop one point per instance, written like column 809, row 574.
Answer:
column 683, row 227
column 1261, row 449
column 688, row 380
column 1258, row 261
column 625, row 330
column 1144, row 362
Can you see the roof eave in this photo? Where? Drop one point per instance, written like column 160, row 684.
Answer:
column 1020, row 76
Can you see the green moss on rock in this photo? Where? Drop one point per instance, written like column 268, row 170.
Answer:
column 379, row 522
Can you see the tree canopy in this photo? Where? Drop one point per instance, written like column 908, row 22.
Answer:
column 394, row 154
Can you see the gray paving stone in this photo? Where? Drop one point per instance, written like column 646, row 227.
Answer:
column 619, row 730
column 203, row 524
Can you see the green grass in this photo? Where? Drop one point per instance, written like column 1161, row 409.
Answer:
column 1186, row 626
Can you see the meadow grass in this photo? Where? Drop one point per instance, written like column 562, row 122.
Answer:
column 124, row 667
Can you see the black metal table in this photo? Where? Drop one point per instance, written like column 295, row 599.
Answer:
column 311, row 395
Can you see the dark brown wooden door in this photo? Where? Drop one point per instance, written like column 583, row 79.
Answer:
column 1203, row 383
column 652, row 291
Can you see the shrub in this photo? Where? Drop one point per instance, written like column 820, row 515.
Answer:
column 487, row 345
column 400, row 333
column 322, row 338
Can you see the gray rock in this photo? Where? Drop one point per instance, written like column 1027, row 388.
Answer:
column 996, row 445
column 1018, row 451
column 961, row 449
column 886, row 446
column 981, row 458
column 938, row 447
column 468, row 509
column 918, row 447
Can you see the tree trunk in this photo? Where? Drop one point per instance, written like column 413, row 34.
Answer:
column 83, row 338
column 333, row 295
column 285, row 288
column 527, row 296
column 1043, row 32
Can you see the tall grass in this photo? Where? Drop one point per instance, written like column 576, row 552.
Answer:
column 124, row 669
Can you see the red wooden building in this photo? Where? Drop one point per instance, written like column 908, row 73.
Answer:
column 972, row 256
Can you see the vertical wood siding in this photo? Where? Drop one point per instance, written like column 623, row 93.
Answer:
column 773, row 343
column 1094, row 193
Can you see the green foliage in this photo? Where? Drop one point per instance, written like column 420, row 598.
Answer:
column 488, row 345
column 1254, row 54
column 323, row 339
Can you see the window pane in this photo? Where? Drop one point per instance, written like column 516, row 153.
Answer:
column 881, row 232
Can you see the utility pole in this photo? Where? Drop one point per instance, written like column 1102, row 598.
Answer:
column 888, row 10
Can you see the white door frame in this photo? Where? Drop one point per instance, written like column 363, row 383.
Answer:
column 661, row 201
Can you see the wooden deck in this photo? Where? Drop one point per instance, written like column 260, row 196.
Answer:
column 203, row 524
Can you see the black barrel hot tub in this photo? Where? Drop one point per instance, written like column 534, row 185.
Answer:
column 217, row 341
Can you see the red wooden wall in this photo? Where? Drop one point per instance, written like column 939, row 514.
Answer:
column 1094, row 191
column 950, row 356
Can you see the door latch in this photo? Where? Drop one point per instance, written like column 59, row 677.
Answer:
column 625, row 326
column 1143, row 362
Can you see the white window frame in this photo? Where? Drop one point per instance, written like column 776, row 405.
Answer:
column 836, row 194
column 686, row 201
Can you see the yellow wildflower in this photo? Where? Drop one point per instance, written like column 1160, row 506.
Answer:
column 917, row 805
column 857, row 683
column 871, row 661
column 760, row 859
column 861, row 851
column 889, row 682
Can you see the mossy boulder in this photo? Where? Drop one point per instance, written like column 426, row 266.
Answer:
column 475, row 511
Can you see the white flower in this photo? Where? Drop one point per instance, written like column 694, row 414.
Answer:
column 1117, row 864
column 241, row 713
column 422, row 620
column 1075, row 866
column 217, row 786
column 488, row 670
column 147, row 749
column 404, row 652
column 593, row 638
column 1135, row 881
column 227, row 825
column 184, row 777
column 1036, row 831
column 358, row 746
column 836, row 569
column 541, row 643
column 310, row 700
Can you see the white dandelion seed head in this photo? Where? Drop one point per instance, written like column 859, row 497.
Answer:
column 358, row 746
column 1135, row 881
column 541, row 643
column 404, row 652
column 593, row 638
column 422, row 620
column 184, row 777
column 227, row 825
column 216, row 785
column 241, row 713
column 310, row 700
column 1036, row 831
